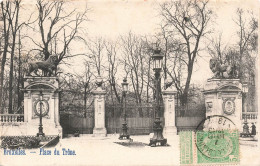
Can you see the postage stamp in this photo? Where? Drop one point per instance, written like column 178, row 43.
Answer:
column 215, row 141
column 186, row 147
column 217, row 146
column 209, row 147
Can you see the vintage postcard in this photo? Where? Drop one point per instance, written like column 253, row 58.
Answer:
column 129, row 82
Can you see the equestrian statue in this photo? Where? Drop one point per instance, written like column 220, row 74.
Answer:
column 48, row 67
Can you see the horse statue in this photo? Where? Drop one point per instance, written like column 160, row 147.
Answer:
column 222, row 70
column 47, row 66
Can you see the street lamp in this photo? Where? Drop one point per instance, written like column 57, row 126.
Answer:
column 244, row 96
column 157, row 67
column 40, row 116
column 124, row 125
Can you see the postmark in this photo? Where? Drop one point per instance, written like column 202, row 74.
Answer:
column 219, row 146
column 215, row 141
column 216, row 122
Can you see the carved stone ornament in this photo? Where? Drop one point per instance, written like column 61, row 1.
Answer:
column 209, row 106
column 228, row 105
column 99, row 81
column 45, row 107
column 40, row 86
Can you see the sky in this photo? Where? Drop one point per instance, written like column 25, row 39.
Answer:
column 112, row 18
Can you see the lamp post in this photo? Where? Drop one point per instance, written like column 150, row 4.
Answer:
column 244, row 94
column 124, row 125
column 158, row 129
column 40, row 117
column 245, row 131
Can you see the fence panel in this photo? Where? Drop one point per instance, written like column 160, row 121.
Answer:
column 139, row 118
column 71, row 124
column 136, row 126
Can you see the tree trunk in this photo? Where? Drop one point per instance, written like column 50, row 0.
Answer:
column 14, row 32
column 19, row 74
column 115, row 90
column 10, row 109
column 2, row 78
column 184, row 96
column 6, row 42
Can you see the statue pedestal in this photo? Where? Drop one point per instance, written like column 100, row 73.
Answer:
column 224, row 97
column 169, row 112
column 99, row 106
column 49, row 87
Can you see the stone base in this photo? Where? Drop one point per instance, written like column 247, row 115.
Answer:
column 99, row 132
column 25, row 129
column 169, row 131
column 156, row 142
column 124, row 136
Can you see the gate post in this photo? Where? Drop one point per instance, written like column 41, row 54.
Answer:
column 169, row 111
column 99, row 107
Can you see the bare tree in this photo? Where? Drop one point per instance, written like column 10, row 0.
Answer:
column 10, row 11
column 4, row 50
column 247, row 41
column 218, row 49
column 148, row 76
column 96, row 53
column 134, row 58
column 57, row 28
column 111, row 48
column 188, row 20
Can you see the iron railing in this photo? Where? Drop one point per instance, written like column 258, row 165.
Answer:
column 5, row 118
column 249, row 115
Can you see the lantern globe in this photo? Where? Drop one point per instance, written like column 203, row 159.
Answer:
column 157, row 58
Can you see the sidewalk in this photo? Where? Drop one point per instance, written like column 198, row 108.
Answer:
column 104, row 151
column 101, row 151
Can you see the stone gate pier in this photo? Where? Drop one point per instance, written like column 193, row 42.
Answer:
column 169, row 112
column 39, row 93
column 99, row 106
column 49, row 87
column 224, row 97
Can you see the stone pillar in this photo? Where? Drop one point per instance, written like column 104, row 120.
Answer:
column 49, row 87
column 169, row 112
column 99, row 106
column 224, row 97
column 27, row 96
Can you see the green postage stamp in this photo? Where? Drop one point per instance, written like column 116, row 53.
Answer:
column 209, row 147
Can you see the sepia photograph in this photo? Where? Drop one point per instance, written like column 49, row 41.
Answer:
column 129, row 82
